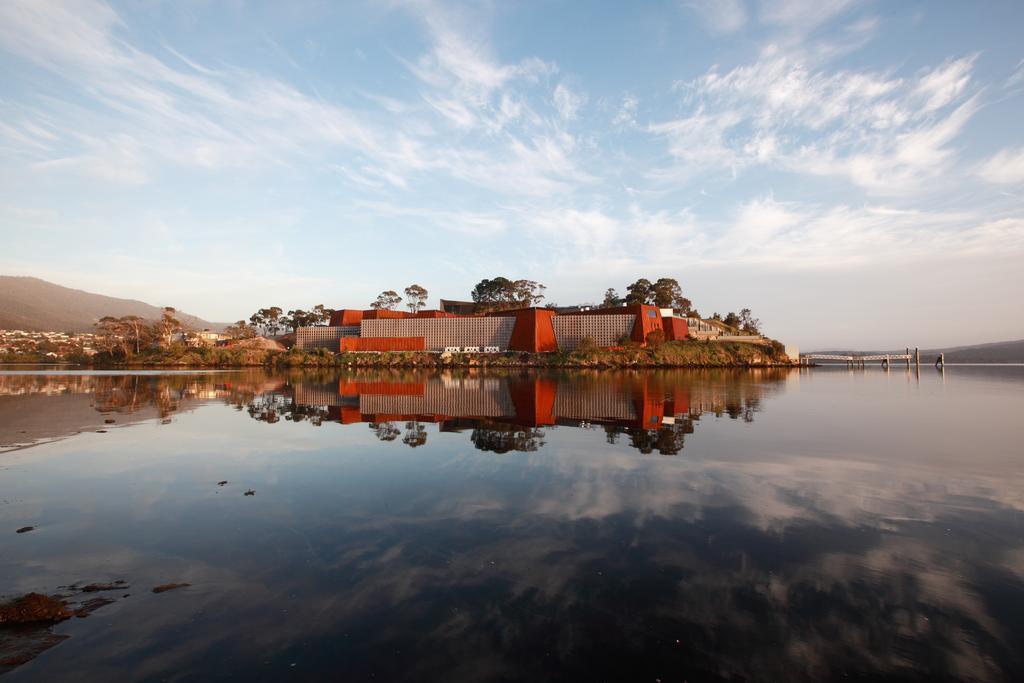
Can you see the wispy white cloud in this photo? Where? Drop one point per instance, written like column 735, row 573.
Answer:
column 885, row 134
column 944, row 84
column 626, row 115
column 1016, row 79
column 567, row 102
column 1005, row 168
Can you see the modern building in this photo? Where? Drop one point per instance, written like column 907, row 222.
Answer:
column 535, row 330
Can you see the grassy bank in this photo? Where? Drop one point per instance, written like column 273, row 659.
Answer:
column 695, row 354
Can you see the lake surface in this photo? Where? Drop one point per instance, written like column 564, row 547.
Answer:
column 772, row 525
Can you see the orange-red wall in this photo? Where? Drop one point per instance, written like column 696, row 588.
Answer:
column 648, row 319
column 349, row 387
column 533, row 331
column 383, row 344
column 346, row 316
column 676, row 329
column 534, row 400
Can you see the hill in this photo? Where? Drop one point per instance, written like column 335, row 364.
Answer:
column 996, row 352
column 993, row 352
column 28, row 303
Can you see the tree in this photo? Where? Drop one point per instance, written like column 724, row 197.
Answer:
column 639, row 292
column 257, row 320
column 298, row 318
column 748, row 323
column 240, row 330
column 666, row 293
column 322, row 315
column 415, row 297
column 501, row 293
column 110, row 335
column 611, row 299
column 386, row 300
column 273, row 319
column 731, row 319
column 167, row 326
column 135, row 331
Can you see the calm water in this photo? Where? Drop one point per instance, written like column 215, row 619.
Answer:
column 763, row 525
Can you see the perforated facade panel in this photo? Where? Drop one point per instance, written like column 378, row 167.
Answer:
column 590, row 402
column 323, row 337
column 439, row 399
column 440, row 333
column 606, row 330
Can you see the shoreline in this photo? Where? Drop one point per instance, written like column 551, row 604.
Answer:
column 688, row 354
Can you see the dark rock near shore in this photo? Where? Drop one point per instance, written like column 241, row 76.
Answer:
column 163, row 588
column 34, row 607
column 26, row 623
column 96, row 587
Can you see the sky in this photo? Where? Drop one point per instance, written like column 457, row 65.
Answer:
column 853, row 172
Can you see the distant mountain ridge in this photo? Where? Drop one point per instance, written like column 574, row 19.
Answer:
column 992, row 352
column 28, row 303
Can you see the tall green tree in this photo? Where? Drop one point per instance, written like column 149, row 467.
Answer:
column 167, row 326
column 748, row 323
column 500, row 293
column 386, row 300
column 110, row 336
column 136, row 331
column 415, row 297
column 639, row 292
column 666, row 293
column 240, row 330
column 323, row 315
column 297, row 318
column 611, row 299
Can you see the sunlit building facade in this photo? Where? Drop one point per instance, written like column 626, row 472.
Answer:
column 534, row 330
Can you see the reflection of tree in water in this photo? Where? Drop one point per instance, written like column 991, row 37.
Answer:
column 385, row 431
column 272, row 407
column 667, row 439
column 499, row 437
column 415, row 434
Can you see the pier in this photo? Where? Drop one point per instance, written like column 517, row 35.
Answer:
column 886, row 359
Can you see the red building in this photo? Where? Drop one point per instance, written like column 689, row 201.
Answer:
column 535, row 330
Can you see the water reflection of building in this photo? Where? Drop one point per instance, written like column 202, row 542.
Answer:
column 654, row 408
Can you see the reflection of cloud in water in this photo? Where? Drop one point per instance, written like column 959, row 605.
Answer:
column 581, row 559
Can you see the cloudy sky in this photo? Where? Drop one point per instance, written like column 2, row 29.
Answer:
column 853, row 172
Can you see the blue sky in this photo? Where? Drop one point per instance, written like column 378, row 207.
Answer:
column 853, row 172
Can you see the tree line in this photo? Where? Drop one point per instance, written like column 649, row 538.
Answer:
column 744, row 321
column 415, row 298
column 273, row 321
column 490, row 294
column 130, row 334
column 665, row 292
